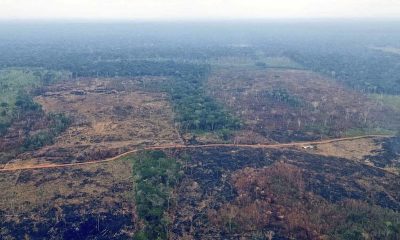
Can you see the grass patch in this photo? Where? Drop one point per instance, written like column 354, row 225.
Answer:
column 17, row 83
column 368, row 131
column 392, row 101
column 14, row 83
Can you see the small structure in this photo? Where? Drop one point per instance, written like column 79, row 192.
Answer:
column 78, row 92
column 308, row 147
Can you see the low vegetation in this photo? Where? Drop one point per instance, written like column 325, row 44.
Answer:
column 369, row 131
column 392, row 101
column 17, row 86
column 57, row 123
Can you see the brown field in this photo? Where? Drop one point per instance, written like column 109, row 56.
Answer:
column 324, row 107
column 34, row 203
column 367, row 151
column 356, row 150
column 109, row 117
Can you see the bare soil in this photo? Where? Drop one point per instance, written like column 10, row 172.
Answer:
column 109, row 117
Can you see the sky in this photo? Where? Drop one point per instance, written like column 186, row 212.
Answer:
column 197, row 9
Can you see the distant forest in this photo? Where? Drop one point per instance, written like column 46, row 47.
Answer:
column 342, row 50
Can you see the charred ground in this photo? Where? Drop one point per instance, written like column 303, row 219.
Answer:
column 97, row 95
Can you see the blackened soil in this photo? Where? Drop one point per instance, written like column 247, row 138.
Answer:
column 389, row 155
column 206, row 185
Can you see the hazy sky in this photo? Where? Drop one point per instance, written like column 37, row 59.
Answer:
column 195, row 9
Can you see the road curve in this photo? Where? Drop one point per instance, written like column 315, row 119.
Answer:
column 163, row 147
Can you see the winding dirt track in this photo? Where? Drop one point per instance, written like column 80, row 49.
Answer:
column 162, row 147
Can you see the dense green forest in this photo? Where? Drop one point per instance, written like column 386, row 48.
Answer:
column 365, row 70
column 196, row 111
column 155, row 176
column 134, row 49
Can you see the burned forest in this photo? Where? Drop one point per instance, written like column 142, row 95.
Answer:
column 200, row 130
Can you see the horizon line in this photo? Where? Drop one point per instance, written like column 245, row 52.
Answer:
column 222, row 19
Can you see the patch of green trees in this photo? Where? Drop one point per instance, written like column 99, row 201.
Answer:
column 283, row 96
column 364, row 220
column 58, row 123
column 155, row 175
column 17, row 87
column 362, row 69
column 195, row 110
column 28, row 111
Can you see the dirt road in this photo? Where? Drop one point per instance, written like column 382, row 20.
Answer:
column 163, row 147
